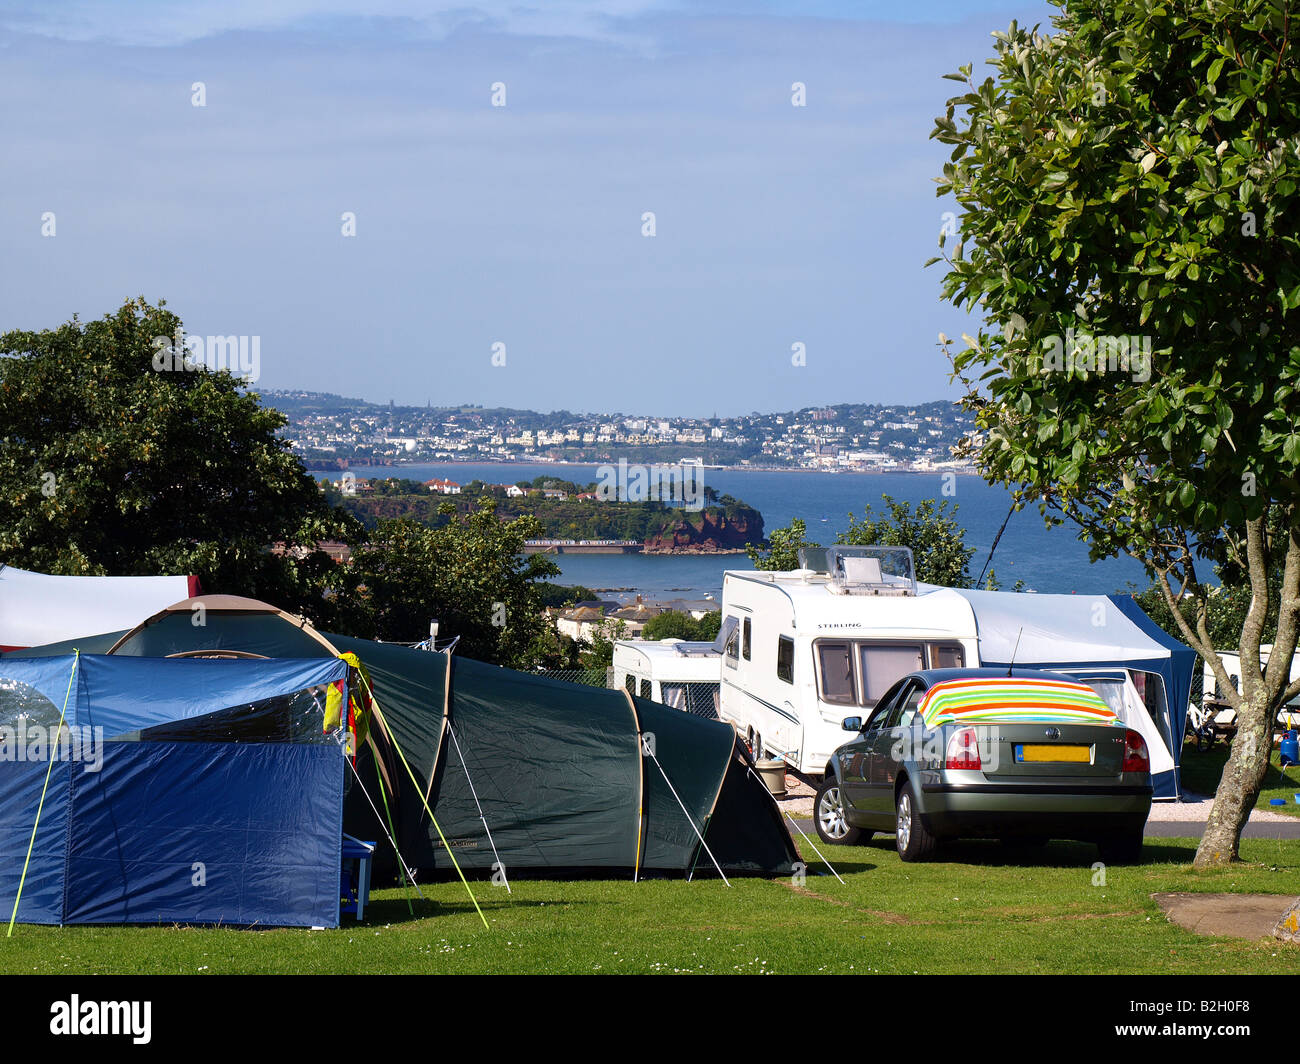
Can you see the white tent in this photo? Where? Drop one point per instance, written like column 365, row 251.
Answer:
column 36, row 609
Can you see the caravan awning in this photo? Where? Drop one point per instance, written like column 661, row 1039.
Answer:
column 1069, row 632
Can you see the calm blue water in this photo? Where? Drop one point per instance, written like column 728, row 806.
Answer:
column 1047, row 560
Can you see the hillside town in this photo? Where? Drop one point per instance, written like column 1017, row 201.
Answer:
column 329, row 431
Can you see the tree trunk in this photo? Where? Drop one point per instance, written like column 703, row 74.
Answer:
column 1239, row 786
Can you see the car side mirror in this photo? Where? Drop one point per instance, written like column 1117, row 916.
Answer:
column 853, row 724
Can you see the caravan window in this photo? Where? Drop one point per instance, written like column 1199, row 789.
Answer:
column 645, row 688
column 835, row 673
column 630, row 684
column 947, row 656
column 785, row 659
column 728, row 637
column 883, row 663
column 744, row 649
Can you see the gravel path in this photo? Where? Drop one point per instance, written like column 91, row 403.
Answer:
column 1197, row 807
column 1193, row 807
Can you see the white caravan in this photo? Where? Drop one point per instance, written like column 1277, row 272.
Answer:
column 677, row 673
column 802, row 650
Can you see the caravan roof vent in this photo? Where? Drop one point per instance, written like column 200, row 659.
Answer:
column 867, row 570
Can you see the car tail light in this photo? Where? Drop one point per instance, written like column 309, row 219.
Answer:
column 1135, row 753
column 963, row 750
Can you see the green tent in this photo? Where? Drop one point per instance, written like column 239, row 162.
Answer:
column 535, row 774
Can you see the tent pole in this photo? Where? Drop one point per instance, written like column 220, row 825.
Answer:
column 795, row 823
column 388, row 816
column 41, row 804
column 640, row 776
column 452, row 732
column 411, row 772
column 814, row 846
column 689, row 820
column 695, row 860
column 406, row 871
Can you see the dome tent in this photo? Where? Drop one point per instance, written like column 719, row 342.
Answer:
column 556, row 770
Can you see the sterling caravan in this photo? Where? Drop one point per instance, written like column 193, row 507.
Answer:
column 802, row 650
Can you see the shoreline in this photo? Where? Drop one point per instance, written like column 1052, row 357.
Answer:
column 451, row 463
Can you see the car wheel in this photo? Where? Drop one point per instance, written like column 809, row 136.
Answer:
column 828, row 813
column 1121, row 849
column 913, row 838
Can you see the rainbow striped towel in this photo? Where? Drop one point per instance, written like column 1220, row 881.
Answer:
column 1011, row 699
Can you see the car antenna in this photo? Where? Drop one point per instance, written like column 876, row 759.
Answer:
column 1014, row 649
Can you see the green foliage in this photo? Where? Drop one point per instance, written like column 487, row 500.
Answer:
column 674, row 625
column 1128, row 186
column 1134, row 174
column 398, row 486
column 109, row 466
column 559, row 518
column 783, row 545
column 937, row 541
column 599, row 653
column 564, row 595
column 470, row 575
column 551, row 649
column 1225, row 615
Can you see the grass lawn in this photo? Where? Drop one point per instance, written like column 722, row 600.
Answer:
column 982, row 908
column 1200, row 774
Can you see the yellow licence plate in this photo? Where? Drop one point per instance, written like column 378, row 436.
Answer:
column 1056, row 752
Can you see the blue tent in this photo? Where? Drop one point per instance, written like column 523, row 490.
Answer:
column 1098, row 638
column 177, row 790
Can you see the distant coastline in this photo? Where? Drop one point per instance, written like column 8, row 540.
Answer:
column 344, row 464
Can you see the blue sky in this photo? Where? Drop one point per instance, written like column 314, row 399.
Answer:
column 520, row 225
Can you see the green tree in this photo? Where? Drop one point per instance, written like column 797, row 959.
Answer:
column 1128, row 189
column 937, row 541
column 599, row 653
column 672, row 624
column 471, row 575
column 111, row 466
column 783, row 546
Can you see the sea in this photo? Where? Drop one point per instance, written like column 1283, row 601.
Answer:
column 1048, row 560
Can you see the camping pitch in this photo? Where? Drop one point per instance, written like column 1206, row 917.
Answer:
column 139, row 790
column 524, row 774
